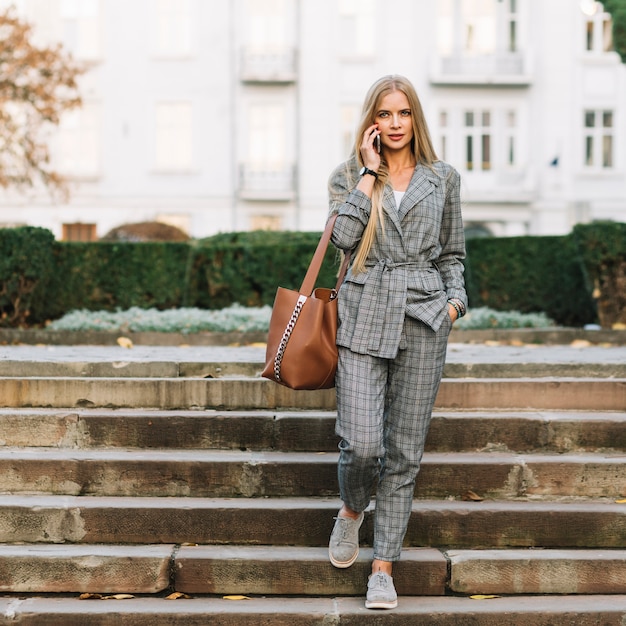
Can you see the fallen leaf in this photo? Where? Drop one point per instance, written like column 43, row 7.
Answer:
column 622, row 501
column 619, row 326
column 119, row 596
column 124, row 342
column 188, row 543
column 516, row 343
column 470, row 495
column 90, row 596
column 483, row 597
column 236, row 598
column 580, row 343
column 177, row 595
column 258, row 344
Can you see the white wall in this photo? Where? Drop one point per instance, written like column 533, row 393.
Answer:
column 337, row 59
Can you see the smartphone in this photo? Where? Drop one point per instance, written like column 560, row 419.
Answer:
column 377, row 140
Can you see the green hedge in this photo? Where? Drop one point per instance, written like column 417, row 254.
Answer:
column 42, row 279
column 529, row 274
column 246, row 268
column 602, row 252
column 26, row 267
column 108, row 276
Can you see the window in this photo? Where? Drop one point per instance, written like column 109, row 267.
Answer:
column 479, row 26
column 79, row 141
column 477, row 131
column 81, row 33
column 598, row 138
column 174, row 136
column 266, row 171
column 511, row 21
column 598, row 28
column 267, row 135
column 510, row 138
column 79, row 232
column 266, row 22
column 173, row 36
column 357, row 28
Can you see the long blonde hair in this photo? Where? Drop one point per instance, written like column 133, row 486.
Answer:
column 421, row 145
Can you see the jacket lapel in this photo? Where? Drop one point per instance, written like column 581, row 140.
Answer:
column 389, row 205
column 422, row 183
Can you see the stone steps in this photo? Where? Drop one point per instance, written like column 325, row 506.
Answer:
column 288, row 570
column 594, row 394
column 523, row 523
column 261, row 474
column 149, row 477
column 608, row 610
column 301, row 431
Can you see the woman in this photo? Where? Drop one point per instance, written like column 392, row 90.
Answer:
column 399, row 210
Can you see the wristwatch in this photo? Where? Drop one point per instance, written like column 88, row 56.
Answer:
column 366, row 170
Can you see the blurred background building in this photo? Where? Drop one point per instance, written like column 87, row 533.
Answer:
column 220, row 116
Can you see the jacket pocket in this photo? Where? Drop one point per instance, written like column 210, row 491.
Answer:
column 350, row 296
column 426, row 281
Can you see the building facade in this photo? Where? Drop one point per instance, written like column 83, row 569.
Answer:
column 221, row 116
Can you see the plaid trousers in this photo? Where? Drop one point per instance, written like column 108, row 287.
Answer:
column 384, row 408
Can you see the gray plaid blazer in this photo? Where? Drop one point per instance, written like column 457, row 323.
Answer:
column 412, row 268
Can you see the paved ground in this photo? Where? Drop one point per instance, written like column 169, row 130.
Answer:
column 457, row 353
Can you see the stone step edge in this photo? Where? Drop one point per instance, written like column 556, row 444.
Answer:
column 252, row 369
column 246, row 393
column 609, row 610
column 303, row 571
column 202, row 456
column 522, row 431
column 557, row 336
column 253, row 474
column 420, row 571
column 305, row 521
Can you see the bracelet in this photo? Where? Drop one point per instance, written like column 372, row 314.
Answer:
column 460, row 304
column 458, row 307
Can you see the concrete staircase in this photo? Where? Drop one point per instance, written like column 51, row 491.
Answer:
column 201, row 478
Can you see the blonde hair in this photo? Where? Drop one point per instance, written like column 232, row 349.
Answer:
column 421, row 146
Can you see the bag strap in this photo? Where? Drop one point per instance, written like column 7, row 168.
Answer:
column 316, row 262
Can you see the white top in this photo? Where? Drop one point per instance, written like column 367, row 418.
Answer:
column 398, row 195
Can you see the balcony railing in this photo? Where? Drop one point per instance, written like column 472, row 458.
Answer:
column 269, row 65
column 504, row 68
column 267, row 183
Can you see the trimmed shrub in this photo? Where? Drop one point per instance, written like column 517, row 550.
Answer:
column 42, row 279
column 246, row 268
column 529, row 274
column 112, row 276
column 601, row 248
column 26, row 264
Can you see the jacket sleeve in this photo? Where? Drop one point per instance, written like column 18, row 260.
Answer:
column 452, row 239
column 351, row 206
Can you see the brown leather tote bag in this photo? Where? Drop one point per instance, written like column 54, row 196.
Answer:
column 301, row 350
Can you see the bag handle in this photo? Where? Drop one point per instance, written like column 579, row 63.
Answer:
column 316, row 262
